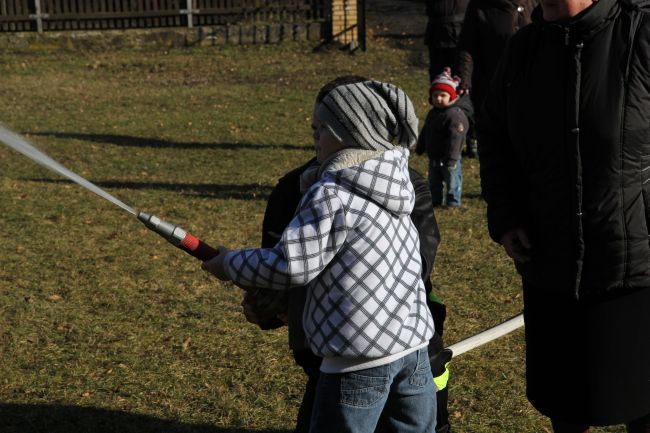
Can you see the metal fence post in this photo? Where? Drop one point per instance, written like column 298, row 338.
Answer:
column 190, row 11
column 361, row 24
column 38, row 16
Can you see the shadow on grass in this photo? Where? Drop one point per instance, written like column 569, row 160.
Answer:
column 473, row 195
column 156, row 143
column 400, row 36
column 202, row 190
column 27, row 418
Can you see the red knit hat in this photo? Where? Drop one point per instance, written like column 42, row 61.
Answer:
column 444, row 82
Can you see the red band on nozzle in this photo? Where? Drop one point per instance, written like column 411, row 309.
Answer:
column 170, row 232
column 190, row 242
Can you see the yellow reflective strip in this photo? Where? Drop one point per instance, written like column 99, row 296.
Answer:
column 441, row 381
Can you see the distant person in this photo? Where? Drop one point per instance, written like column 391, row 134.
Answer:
column 442, row 139
column 280, row 210
column 354, row 247
column 564, row 151
column 487, row 26
column 444, row 23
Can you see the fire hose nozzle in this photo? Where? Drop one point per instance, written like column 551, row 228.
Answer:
column 178, row 237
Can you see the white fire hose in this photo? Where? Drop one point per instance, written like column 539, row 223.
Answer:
column 486, row 336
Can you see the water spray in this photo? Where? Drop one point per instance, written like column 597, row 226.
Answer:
column 21, row 145
column 170, row 232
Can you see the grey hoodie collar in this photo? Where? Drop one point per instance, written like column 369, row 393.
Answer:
column 344, row 158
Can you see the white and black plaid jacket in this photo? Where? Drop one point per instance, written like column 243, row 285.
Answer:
column 355, row 247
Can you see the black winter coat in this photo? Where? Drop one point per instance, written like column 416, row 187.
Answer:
column 565, row 149
column 444, row 131
column 488, row 26
column 445, row 22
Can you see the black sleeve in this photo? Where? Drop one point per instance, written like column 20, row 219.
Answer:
column 467, row 46
column 425, row 221
column 502, row 180
column 280, row 210
column 421, row 146
column 272, row 323
column 281, row 206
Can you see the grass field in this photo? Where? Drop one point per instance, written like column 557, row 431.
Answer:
column 104, row 327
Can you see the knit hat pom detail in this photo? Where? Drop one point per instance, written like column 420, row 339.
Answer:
column 446, row 83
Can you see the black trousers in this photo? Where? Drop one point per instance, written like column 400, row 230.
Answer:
column 587, row 360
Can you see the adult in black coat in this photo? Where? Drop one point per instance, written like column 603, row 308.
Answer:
column 486, row 29
column 565, row 155
column 445, row 21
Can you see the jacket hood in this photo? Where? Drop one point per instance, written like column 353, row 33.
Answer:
column 464, row 103
column 383, row 179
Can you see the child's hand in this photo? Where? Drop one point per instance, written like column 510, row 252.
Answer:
column 265, row 320
column 216, row 266
column 248, row 304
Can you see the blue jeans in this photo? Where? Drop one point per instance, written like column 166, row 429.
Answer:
column 439, row 175
column 353, row 402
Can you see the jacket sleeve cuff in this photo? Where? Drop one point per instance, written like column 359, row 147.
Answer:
column 503, row 223
column 272, row 323
column 227, row 264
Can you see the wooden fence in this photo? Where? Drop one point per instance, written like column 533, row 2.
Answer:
column 48, row 15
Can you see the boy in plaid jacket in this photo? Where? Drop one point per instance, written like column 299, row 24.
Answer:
column 354, row 246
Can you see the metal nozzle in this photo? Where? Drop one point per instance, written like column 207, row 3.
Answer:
column 170, row 232
column 144, row 217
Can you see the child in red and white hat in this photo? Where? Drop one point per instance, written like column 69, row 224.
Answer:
column 443, row 136
column 442, row 92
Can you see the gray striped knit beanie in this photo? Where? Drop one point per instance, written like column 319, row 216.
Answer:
column 369, row 115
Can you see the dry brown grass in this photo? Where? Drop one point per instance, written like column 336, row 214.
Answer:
column 106, row 328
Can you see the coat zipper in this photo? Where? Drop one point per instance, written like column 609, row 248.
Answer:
column 574, row 140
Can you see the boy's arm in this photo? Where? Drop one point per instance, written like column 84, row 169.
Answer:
column 424, row 218
column 421, row 146
column 307, row 246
